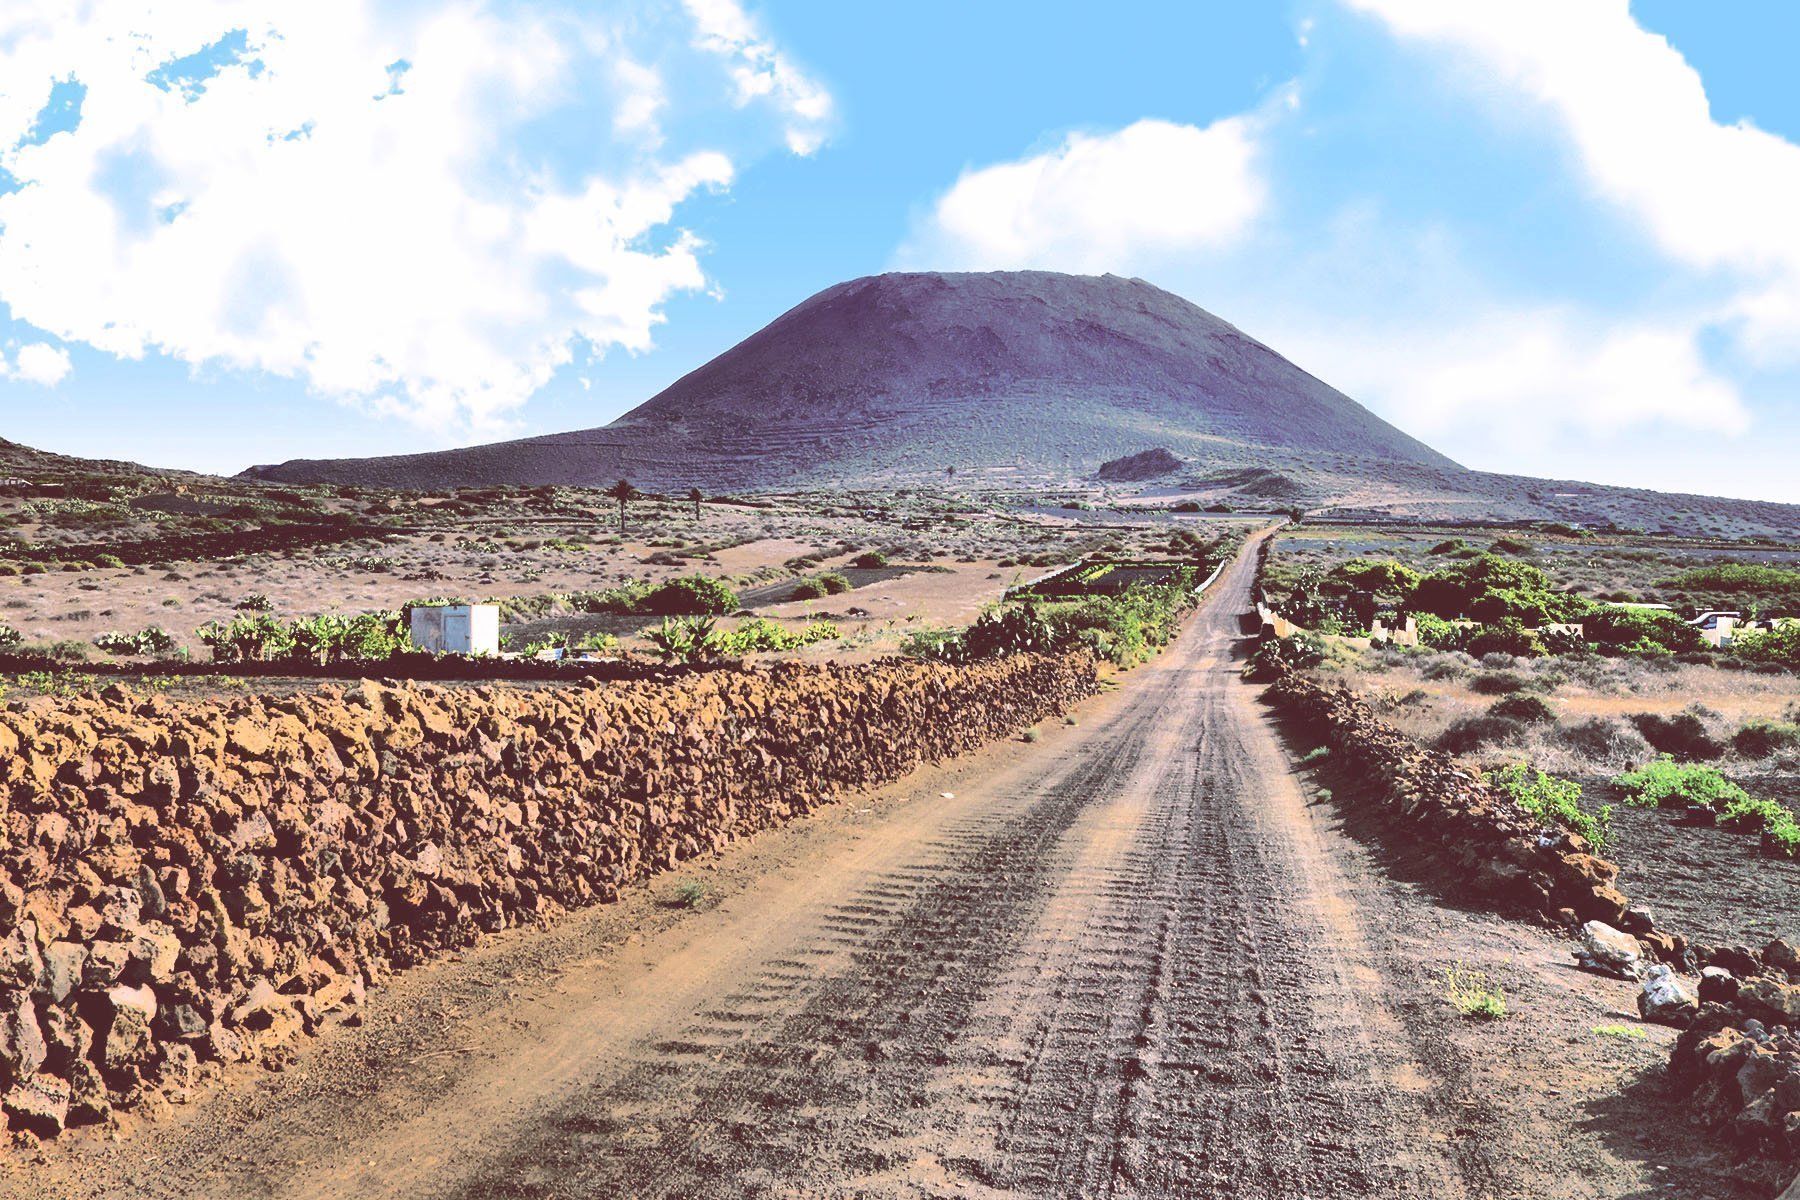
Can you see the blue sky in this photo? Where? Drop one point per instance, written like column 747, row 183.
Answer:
column 1547, row 237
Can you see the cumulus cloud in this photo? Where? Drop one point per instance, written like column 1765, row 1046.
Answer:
column 760, row 71
column 417, row 206
column 1521, row 380
column 1100, row 202
column 1710, row 195
column 39, row 363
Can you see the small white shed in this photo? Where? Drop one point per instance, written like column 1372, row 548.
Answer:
column 456, row 628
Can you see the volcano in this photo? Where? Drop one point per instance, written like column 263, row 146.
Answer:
column 1025, row 380
column 1026, row 376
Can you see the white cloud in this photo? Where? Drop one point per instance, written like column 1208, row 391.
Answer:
column 1522, row 380
column 413, row 206
column 1710, row 195
column 759, row 71
column 39, row 363
column 1105, row 202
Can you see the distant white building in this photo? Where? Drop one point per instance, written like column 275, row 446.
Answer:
column 456, row 628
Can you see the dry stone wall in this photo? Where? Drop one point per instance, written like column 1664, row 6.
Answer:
column 1737, row 1064
column 192, row 881
column 1503, row 852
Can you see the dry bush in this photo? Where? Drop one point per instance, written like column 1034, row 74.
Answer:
column 1466, row 735
column 1687, row 736
column 1601, row 742
column 1447, row 666
column 1498, row 683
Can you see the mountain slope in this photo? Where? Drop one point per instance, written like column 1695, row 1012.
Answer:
column 1026, row 379
column 1028, row 376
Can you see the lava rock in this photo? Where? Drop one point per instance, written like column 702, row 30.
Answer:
column 1609, row 951
column 1664, row 999
column 39, row 1104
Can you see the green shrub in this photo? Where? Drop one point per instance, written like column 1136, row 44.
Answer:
column 150, row 641
column 869, row 560
column 254, row 602
column 1639, row 630
column 254, row 637
column 1779, row 646
column 759, row 633
column 685, row 639
column 1508, row 636
column 1666, row 783
column 1771, row 819
column 1124, row 629
column 691, row 595
column 930, row 643
column 374, row 637
column 108, row 560
column 1747, row 578
column 831, row 583
column 1498, row 683
column 1554, row 801
column 10, row 637
column 1490, row 589
column 1470, row 993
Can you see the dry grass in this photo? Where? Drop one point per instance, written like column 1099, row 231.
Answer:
column 503, row 544
column 1426, row 694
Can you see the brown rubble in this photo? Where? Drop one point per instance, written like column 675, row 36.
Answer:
column 192, row 881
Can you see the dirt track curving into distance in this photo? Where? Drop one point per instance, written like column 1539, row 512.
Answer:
column 1128, row 960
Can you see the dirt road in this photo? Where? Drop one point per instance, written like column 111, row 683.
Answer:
column 1130, row 959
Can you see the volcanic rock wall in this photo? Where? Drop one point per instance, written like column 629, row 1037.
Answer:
column 1504, row 853
column 1737, row 1065
column 188, row 881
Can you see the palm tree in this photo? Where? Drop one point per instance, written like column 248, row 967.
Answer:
column 624, row 493
column 694, row 498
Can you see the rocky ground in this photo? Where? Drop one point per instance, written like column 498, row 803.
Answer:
column 1133, row 956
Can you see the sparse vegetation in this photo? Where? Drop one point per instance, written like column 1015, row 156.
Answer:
column 1628, row 1032
column 1555, row 802
column 831, row 583
column 1666, row 783
column 149, row 641
column 1473, row 995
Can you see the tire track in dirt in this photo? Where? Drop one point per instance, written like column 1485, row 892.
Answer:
column 1122, row 981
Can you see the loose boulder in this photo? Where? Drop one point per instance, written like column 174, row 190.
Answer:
column 39, row 1104
column 1664, row 1000
column 1609, row 951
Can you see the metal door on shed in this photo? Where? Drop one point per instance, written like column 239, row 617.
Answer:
column 456, row 631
